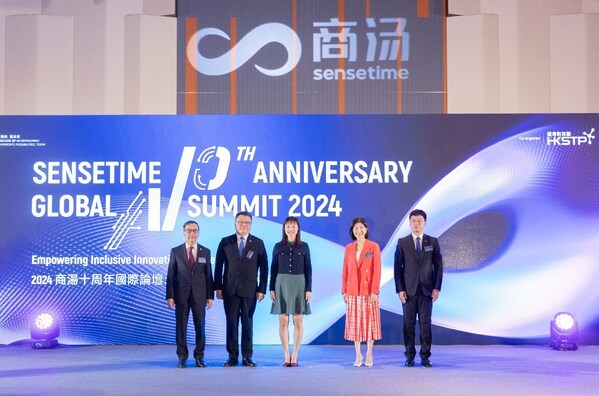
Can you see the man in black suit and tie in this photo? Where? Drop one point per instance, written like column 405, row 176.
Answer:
column 240, row 258
column 189, row 288
column 418, row 274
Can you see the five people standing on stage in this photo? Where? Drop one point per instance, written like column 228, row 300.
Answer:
column 241, row 274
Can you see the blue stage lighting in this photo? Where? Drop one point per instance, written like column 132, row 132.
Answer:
column 44, row 331
column 564, row 332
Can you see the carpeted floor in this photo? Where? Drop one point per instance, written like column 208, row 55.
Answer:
column 324, row 370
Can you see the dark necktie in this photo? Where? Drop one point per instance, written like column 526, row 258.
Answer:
column 418, row 246
column 191, row 259
column 241, row 246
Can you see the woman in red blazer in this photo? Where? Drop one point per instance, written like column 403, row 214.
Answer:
column 360, row 289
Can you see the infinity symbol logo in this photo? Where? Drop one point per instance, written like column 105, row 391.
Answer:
column 247, row 47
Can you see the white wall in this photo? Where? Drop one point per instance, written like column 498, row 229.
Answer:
column 149, row 52
column 12, row 7
column 542, row 60
column 575, row 63
column 94, row 53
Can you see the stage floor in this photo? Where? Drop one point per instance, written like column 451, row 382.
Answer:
column 324, row 370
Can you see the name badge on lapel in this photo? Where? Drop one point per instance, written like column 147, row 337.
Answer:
column 428, row 248
column 202, row 260
column 369, row 255
column 250, row 254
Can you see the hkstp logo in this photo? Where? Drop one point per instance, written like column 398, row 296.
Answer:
column 245, row 49
column 566, row 138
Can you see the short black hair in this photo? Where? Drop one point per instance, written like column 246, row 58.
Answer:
column 248, row 214
column 188, row 222
column 418, row 212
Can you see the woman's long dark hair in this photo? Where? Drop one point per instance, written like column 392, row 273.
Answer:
column 298, row 239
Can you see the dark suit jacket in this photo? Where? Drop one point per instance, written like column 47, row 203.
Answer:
column 180, row 281
column 234, row 275
column 411, row 271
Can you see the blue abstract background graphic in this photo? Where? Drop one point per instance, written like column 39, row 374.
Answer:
column 513, row 199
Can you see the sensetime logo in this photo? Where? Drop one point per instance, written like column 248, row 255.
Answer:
column 384, row 44
column 246, row 48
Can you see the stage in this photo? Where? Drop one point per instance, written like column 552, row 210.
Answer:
column 323, row 370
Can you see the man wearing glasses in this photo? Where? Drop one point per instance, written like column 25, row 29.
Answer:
column 240, row 277
column 189, row 288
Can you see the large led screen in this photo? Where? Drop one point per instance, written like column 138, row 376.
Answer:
column 92, row 205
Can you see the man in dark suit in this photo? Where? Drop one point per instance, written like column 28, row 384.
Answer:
column 189, row 288
column 240, row 258
column 418, row 274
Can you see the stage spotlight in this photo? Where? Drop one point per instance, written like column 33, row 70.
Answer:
column 44, row 331
column 564, row 332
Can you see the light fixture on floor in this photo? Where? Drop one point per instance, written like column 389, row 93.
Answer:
column 44, row 331
column 564, row 332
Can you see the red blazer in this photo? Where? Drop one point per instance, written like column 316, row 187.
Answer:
column 362, row 278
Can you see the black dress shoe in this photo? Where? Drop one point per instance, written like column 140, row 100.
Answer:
column 249, row 362
column 426, row 363
column 182, row 363
column 231, row 362
column 200, row 362
column 409, row 363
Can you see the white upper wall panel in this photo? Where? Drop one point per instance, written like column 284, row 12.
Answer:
column 39, row 64
column 12, row 7
column 150, row 65
column 590, row 6
column 574, row 63
column 464, row 7
column 473, row 64
column 524, row 51
column 100, row 48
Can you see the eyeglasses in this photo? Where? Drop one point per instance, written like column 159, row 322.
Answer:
column 192, row 231
column 244, row 222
